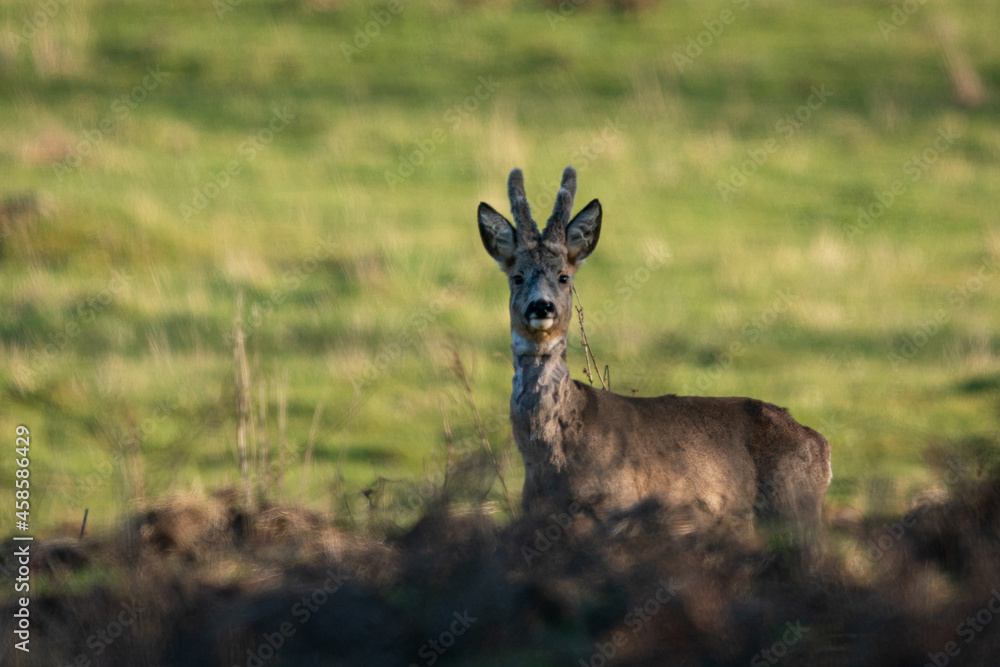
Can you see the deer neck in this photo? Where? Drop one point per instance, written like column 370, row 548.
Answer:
column 541, row 401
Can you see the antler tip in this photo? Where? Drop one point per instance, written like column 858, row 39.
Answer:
column 526, row 227
column 569, row 180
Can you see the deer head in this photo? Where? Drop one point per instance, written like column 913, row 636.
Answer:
column 540, row 265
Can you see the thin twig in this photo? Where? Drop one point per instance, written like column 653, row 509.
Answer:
column 588, row 353
column 583, row 338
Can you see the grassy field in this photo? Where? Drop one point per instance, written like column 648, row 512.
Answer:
column 799, row 205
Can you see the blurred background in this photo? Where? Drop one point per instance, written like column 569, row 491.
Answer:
column 799, row 206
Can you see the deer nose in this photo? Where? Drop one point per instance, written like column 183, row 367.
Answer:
column 540, row 309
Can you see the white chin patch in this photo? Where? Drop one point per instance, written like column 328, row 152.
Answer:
column 541, row 324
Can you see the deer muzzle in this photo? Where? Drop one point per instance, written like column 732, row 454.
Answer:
column 540, row 315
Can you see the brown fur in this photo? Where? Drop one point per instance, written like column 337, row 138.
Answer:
column 708, row 459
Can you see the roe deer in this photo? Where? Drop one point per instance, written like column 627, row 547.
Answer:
column 704, row 460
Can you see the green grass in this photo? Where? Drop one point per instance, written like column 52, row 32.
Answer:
column 149, row 360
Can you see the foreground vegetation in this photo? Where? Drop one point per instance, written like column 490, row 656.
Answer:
column 196, row 580
column 800, row 208
column 238, row 251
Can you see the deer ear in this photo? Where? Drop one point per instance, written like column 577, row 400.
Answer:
column 583, row 231
column 497, row 234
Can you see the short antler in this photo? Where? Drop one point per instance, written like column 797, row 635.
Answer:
column 527, row 231
column 555, row 229
column 569, row 181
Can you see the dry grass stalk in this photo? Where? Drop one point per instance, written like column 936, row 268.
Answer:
column 463, row 377
column 966, row 84
column 137, row 474
column 132, row 469
column 282, row 432
column 242, row 384
column 449, row 449
column 339, row 486
column 264, row 443
column 317, row 414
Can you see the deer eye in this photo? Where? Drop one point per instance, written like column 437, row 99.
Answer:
column 563, row 279
column 518, row 280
